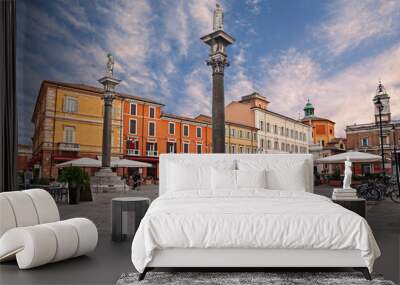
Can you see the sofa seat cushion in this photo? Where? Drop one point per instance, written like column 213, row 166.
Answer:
column 37, row 245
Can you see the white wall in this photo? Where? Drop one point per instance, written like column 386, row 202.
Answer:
column 286, row 123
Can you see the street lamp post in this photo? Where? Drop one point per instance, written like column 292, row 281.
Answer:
column 379, row 106
column 396, row 159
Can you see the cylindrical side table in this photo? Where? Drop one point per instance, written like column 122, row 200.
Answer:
column 126, row 214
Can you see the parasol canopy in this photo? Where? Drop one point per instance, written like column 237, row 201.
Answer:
column 81, row 162
column 129, row 163
column 354, row 156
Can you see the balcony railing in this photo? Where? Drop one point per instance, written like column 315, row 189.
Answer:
column 132, row 151
column 68, row 146
column 152, row 153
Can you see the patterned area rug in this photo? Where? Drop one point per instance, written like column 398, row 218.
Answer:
column 231, row 278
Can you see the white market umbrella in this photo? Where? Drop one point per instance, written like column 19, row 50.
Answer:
column 354, row 156
column 81, row 162
column 129, row 163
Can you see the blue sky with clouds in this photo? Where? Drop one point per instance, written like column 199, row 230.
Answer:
column 333, row 52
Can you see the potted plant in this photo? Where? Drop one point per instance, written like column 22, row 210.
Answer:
column 77, row 179
column 335, row 179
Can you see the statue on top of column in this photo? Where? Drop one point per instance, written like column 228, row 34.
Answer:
column 218, row 20
column 110, row 65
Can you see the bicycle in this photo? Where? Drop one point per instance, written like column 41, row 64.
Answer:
column 379, row 188
column 388, row 187
column 368, row 191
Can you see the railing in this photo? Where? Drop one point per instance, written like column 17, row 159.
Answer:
column 152, row 153
column 132, row 151
column 68, row 146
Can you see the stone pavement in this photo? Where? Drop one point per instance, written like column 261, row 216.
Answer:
column 99, row 211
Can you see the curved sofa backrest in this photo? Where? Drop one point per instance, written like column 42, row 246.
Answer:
column 26, row 208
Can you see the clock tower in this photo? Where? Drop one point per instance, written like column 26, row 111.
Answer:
column 385, row 100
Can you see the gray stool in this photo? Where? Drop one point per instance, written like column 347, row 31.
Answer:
column 126, row 214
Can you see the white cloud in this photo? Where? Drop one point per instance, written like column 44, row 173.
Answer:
column 197, row 98
column 352, row 23
column 240, row 83
column 255, row 6
column 345, row 97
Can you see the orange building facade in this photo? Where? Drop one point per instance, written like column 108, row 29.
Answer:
column 147, row 133
column 323, row 130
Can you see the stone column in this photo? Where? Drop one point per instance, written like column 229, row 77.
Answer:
column 218, row 63
column 107, row 129
column 109, row 83
column 218, row 40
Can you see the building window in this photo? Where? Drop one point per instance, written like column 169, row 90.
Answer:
column 69, row 134
column 233, row 149
column 171, row 128
column 287, row 132
column 185, row 130
column 70, row 105
column 276, row 146
column 366, row 169
column 296, row 149
column 248, row 135
column 269, row 144
column 364, row 141
column 287, row 147
column 262, row 143
column 152, row 112
column 132, row 127
column 296, row 135
column 254, row 136
column 198, row 132
column 275, row 129
column 151, row 149
column 185, row 147
column 133, row 109
column 152, row 129
column 232, row 132
column 198, row 148
column 132, row 147
column 240, row 149
column 282, row 131
column 171, row 147
column 261, row 125
column 268, row 127
column 240, row 134
column 282, row 146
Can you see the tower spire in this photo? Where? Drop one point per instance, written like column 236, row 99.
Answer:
column 308, row 109
column 382, row 95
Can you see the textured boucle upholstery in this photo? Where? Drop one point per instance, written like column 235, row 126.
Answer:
column 31, row 231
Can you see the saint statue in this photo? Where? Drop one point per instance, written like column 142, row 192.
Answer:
column 110, row 65
column 218, row 20
column 347, row 174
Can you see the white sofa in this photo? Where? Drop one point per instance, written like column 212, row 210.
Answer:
column 31, row 231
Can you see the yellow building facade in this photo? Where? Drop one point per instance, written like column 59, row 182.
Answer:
column 240, row 138
column 68, row 120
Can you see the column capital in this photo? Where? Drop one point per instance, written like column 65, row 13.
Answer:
column 108, row 98
column 218, row 61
